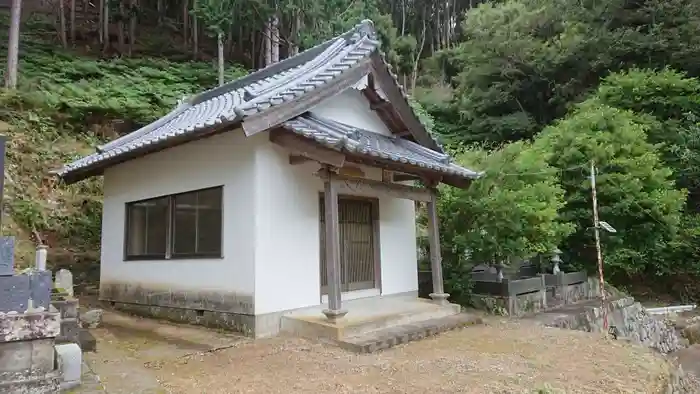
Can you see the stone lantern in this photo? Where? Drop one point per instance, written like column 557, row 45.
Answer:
column 556, row 259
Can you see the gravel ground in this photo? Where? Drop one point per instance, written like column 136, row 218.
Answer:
column 143, row 356
column 504, row 357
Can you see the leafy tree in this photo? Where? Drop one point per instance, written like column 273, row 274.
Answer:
column 511, row 212
column 673, row 101
column 635, row 192
column 218, row 18
column 522, row 63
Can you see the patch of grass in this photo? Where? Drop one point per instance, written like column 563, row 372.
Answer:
column 66, row 104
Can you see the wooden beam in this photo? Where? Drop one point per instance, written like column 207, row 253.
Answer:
column 371, row 188
column 380, row 105
column 405, row 177
column 267, row 119
column 301, row 146
column 387, row 176
column 296, row 159
column 351, row 171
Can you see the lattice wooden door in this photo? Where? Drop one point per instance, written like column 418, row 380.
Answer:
column 357, row 254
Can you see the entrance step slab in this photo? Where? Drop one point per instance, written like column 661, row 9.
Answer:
column 364, row 316
column 391, row 336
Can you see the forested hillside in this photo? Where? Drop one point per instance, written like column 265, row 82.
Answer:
column 530, row 91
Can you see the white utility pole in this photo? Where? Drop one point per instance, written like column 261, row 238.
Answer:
column 596, row 229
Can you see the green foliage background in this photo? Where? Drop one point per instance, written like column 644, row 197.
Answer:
column 527, row 91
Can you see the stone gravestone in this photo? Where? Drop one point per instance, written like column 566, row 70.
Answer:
column 7, row 255
column 14, row 293
column 16, row 290
column 40, row 287
column 64, row 281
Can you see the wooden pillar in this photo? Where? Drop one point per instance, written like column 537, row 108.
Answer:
column 438, row 295
column 332, row 247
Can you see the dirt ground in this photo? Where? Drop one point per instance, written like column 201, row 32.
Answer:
column 145, row 356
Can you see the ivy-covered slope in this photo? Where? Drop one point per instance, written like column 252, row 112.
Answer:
column 66, row 104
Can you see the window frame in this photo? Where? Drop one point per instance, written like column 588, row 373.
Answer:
column 170, row 234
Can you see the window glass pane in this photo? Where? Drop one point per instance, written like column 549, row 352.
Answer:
column 209, row 221
column 185, row 224
column 147, row 227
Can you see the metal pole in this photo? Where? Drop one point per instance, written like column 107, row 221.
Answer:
column 596, row 229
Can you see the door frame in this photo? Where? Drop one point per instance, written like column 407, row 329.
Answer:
column 376, row 242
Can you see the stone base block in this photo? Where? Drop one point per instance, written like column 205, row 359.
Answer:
column 24, row 383
column 69, row 331
column 36, row 356
column 70, row 361
column 26, row 326
column 86, row 341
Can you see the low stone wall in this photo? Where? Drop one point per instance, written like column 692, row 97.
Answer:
column 570, row 293
column 627, row 319
column 525, row 304
column 516, row 306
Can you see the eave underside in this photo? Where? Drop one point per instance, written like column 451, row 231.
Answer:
column 340, row 158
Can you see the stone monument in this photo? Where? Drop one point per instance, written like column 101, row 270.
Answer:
column 28, row 324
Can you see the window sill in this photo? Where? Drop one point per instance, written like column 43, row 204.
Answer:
column 178, row 257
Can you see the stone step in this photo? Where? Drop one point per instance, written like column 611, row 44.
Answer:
column 396, row 335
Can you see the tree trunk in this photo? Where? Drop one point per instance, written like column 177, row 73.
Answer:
column 13, row 45
column 275, row 30
column 294, row 42
column 229, row 43
column 253, row 50
column 105, row 27
column 195, row 35
column 403, row 17
column 419, row 52
column 220, row 42
column 72, row 22
column 62, row 19
column 101, row 24
column 120, row 26
column 185, row 20
column 159, row 8
column 267, row 40
column 132, row 25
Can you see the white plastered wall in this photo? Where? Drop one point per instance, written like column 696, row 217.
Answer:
column 226, row 159
column 287, row 252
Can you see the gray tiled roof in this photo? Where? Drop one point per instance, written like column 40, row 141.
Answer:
column 233, row 102
column 341, row 137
